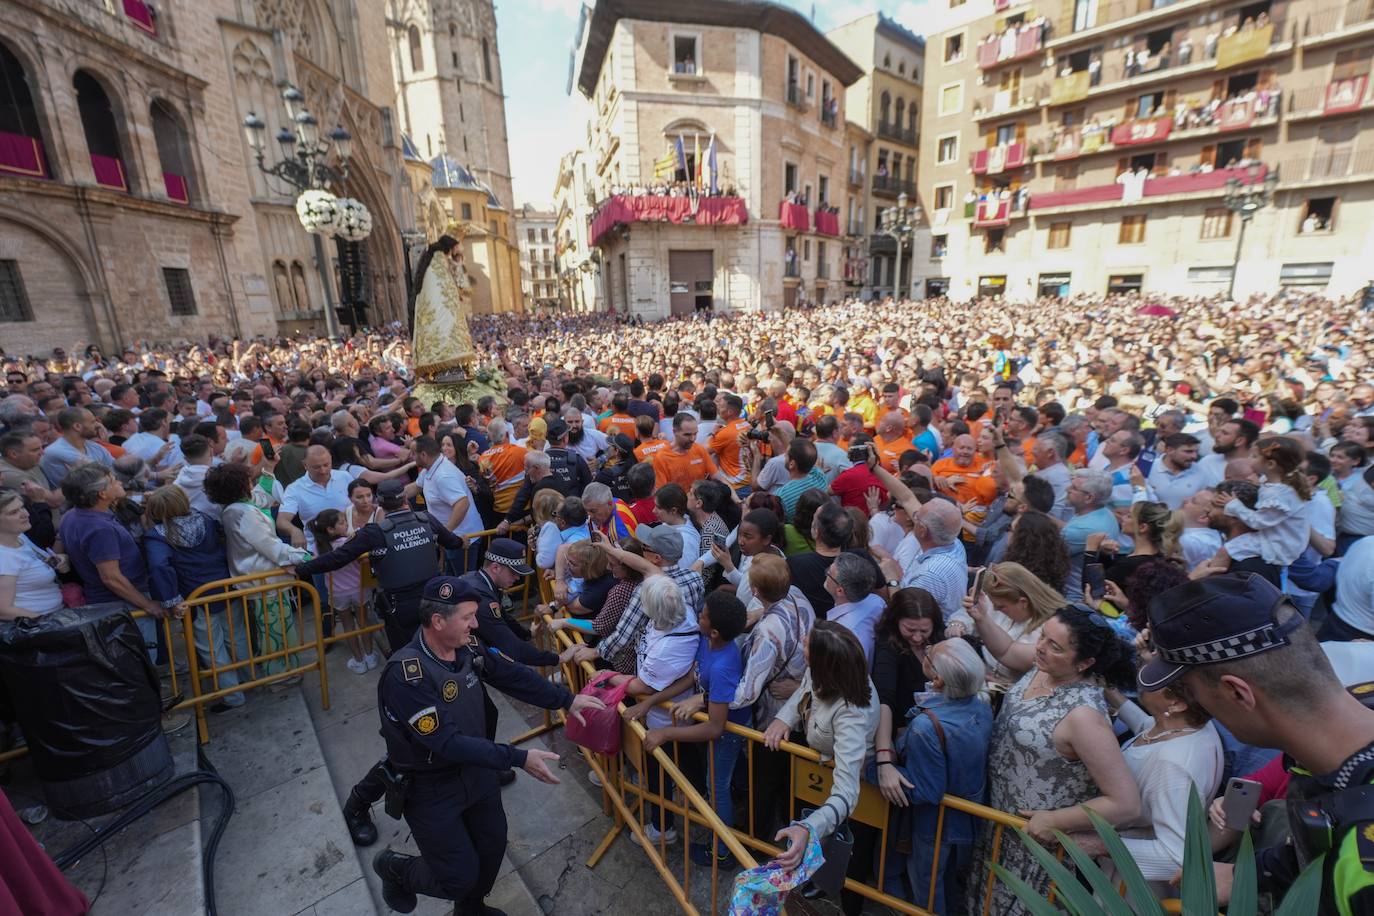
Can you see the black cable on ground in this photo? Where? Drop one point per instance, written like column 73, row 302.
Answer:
column 151, row 800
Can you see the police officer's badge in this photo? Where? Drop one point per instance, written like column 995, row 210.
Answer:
column 450, row 691
column 446, row 591
column 426, row 721
column 495, row 610
column 411, row 670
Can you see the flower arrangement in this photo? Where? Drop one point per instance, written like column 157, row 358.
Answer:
column 355, row 220
column 319, row 212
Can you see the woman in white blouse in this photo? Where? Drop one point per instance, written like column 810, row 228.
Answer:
column 28, row 574
column 1176, row 748
column 841, row 711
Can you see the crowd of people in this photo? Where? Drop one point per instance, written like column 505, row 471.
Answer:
column 949, row 546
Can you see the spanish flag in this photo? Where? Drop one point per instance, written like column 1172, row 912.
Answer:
column 665, row 167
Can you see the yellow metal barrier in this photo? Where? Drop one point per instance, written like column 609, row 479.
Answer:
column 259, row 613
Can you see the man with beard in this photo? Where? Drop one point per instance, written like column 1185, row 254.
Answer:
column 583, row 440
column 1176, row 476
column 1233, row 440
column 1243, row 550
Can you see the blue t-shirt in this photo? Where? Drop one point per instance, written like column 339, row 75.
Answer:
column 93, row 537
column 718, row 674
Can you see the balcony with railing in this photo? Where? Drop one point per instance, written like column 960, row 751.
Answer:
column 997, row 208
column 830, row 112
column 1249, row 112
column 855, row 228
column 1007, row 102
column 1336, row 23
column 997, row 159
column 891, row 186
column 822, row 270
column 856, row 177
column 1324, row 100
column 796, row 98
column 1016, row 42
column 791, row 267
column 895, row 132
column 1131, row 188
column 1118, row 15
column 1334, row 164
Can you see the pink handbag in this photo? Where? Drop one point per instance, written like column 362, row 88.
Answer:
column 601, row 733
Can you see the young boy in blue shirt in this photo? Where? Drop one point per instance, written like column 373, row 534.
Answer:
column 715, row 675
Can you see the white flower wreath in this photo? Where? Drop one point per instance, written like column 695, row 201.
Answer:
column 319, row 212
column 355, row 220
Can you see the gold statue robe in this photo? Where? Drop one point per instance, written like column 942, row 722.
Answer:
column 442, row 346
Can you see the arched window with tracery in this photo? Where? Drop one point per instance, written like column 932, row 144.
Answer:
column 21, row 140
column 102, row 131
column 173, row 152
column 884, row 106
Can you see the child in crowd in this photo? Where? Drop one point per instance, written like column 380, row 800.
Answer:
column 345, row 590
column 1279, row 519
column 715, row 675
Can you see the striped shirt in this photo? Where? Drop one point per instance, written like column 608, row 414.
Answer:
column 791, row 491
column 943, row 572
column 632, row 622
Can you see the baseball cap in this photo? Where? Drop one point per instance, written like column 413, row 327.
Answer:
column 508, row 553
column 557, row 429
column 662, row 540
column 449, row 590
column 624, row 443
column 1212, row 620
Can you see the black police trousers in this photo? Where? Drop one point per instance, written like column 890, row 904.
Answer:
column 461, row 842
column 404, row 617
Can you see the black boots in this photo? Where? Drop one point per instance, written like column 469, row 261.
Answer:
column 358, row 816
column 390, row 867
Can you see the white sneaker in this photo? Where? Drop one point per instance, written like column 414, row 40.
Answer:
column 371, row 660
column 357, row 665
column 593, row 778
column 651, row 831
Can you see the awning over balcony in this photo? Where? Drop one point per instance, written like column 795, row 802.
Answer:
column 21, row 155
column 1345, row 95
column 660, row 208
column 1147, row 131
column 1154, row 187
column 998, row 159
column 794, row 216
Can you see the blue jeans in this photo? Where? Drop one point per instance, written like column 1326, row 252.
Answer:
column 954, row 863
column 724, row 753
column 455, row 563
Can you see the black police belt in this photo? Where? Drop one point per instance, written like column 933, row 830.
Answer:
column 1319, row 823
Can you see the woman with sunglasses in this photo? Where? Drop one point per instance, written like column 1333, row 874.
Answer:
column 1053, row 750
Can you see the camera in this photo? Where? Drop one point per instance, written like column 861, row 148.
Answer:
column 858, row 454
column 756, row 433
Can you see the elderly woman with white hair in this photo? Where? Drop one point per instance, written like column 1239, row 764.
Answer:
column 666, row 651
column 944, row 752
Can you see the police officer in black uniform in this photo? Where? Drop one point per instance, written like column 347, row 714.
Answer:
column 566, row 467
column 404, row 558
column 430, row 698
column 1246, row 655
column 503, row 565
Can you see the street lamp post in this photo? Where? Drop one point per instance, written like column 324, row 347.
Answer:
column 899, row 224
column 305, row 165
column 1247, row 199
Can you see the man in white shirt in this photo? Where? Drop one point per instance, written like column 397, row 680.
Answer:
column 321, row 488
column 583, row 438
column 1176, row 476
column 1199, row 541
column 850, row 581
column 1352, row 616
column 1232, row 441
column 153, row 442
column 447, row 499
column 199, row 457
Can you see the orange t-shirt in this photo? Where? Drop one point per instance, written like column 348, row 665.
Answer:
column 619, row 423
column 889, row 450
column 684, row 470
column 1027, row 451
column 413, row 425
column 975, row 485
column 1079, row 458
column 646, row 450
column 724, row 444
column 116, row 451
column 884, row 410
column 506, row 463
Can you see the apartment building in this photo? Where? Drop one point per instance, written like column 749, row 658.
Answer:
column 755, row 94
column 536, row 232
column 1083, row 146
column 886, row 103
column 577, row 263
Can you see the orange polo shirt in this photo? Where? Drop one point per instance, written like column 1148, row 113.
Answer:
column 646, row 450
column 975, row 486
column 683, row 470
column 506, row 462
column 619, row 423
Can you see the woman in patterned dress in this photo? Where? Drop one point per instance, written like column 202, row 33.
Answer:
column 1053, row 749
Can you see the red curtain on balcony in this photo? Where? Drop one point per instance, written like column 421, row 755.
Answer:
column 993, row 212
column 1154, row 187
column 987, row 52
column 978, row 162
column 1015, row 156
column 176, row 188
column 1345, row 95
column 21, row 155
column 109, row 172
column 142, row 17
column 1027, row 42
column 704, row 211
column 1133, row 132
column 794, row 216
column 827, row 223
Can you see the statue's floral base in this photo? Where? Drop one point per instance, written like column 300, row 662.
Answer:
column 460, row 392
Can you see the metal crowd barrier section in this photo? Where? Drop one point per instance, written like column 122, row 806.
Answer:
column 809, row 780
column 262, row 624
